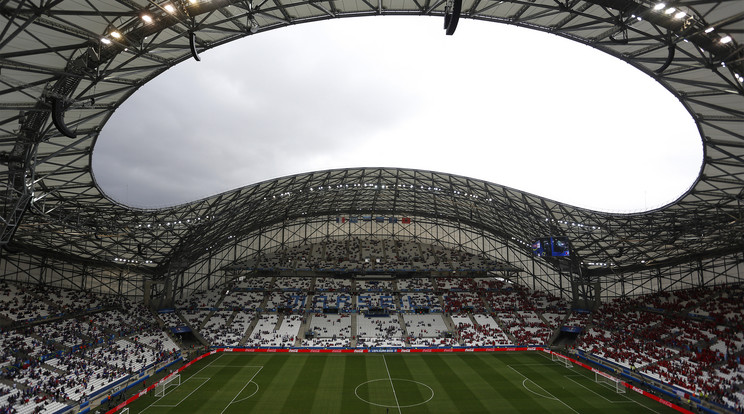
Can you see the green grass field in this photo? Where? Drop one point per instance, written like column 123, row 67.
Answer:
column 500, row 382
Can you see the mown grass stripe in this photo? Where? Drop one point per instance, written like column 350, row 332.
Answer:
column 378, row 386
column 330, row 382
column 456, row 386
column 505, row 395
column 273, row 382
column 462, row 382
column 305, row 387
column 236, row 388
column 408, row 392
column 539, row 379
column 355, row 373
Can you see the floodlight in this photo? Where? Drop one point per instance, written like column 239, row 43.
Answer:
column 725, row 39
column 659, row 6
column 146, row 18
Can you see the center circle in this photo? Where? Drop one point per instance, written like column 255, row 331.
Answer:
column 401, row 392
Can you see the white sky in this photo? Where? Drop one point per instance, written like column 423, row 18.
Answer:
column 512, row 106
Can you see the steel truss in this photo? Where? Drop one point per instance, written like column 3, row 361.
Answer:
column 63, row 71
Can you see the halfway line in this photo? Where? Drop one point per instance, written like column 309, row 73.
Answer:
column 391, row 383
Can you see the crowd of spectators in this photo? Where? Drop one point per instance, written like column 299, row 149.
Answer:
column 333, row 326
column 369, row 254
column 379, row 332
column 332, row 284
column 691, row 339
column 23, row 302
column 80, row 344
column 485, row 332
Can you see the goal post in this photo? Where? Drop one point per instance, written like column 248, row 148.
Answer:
column 162, row 388
column 561, row 359
column 609, row 381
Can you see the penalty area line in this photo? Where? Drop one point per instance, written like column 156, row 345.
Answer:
column 202, row 369
column 568, row 377
column 546, row 391
column 241, row 390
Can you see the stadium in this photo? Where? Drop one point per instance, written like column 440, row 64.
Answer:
column 359, row 289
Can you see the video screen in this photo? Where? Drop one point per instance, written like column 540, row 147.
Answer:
column 551, row 246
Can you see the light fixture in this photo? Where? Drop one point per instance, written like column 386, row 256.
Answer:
column 115, row 34
column 146, row 18
column 680, row 14
column 710, row 29
column 169, row 8
column 105, row 41
column 254, row 24
column 659, row 6
column 670, row 10
column 725, row 39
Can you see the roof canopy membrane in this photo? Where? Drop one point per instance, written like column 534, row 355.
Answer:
column 509, row 105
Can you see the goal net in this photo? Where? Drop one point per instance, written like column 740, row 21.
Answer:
column 609, row 381
column 170, row 382
column 561, row 359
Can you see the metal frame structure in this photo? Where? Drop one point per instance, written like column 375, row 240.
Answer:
column 65, row 66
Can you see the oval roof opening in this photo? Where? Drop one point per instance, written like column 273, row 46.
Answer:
column 504, row 104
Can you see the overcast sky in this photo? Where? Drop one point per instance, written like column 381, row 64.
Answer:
column 512, row 106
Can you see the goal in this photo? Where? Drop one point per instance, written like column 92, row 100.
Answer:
column 609, row 381
column 172, row 381
column 561, row 359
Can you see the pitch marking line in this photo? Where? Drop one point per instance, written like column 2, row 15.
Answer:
column 184, row 398
column 391, row 383
column 568, row 377
column 356, row 392
column 524, row 384
column 630, row 399
column 202, row 369
column 237, row 366
column 544, row 390
column 241, row 390
column 529, row 365
column 626, row 397
column 252, row 394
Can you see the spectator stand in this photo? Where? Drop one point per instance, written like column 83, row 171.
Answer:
column 332, row 284
column 329, row 331
column 415, row 284
column 378, row 332
column 332, row 302
column 286, row 301
column 419, row 302
column 236, row 299
column 427, row 331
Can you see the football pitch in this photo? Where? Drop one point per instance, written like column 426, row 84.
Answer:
column 497, row 382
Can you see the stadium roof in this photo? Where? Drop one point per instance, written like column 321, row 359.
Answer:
column 65, row 66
